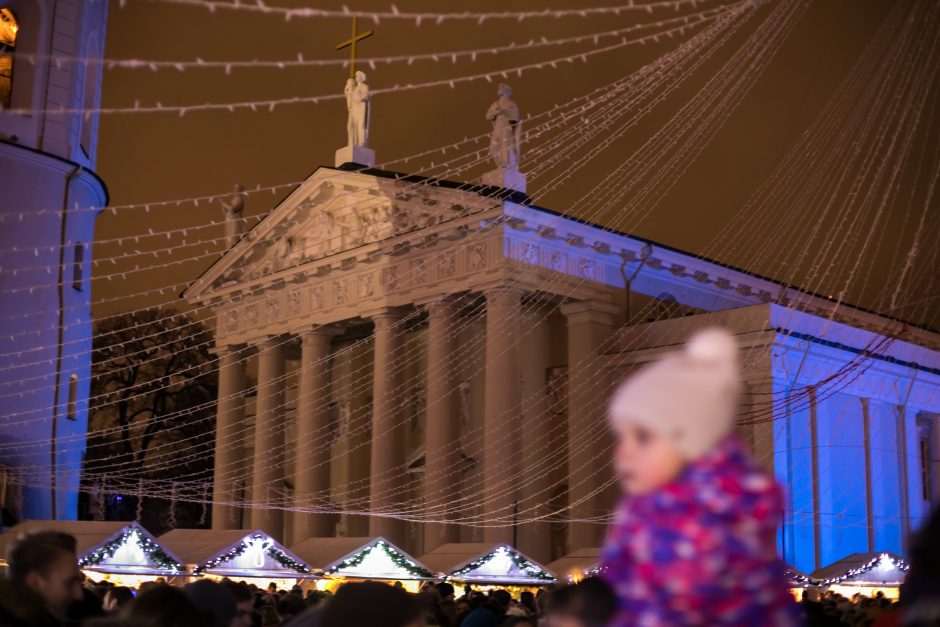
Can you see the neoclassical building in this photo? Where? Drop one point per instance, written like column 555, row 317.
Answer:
column 438, row 354
column 50, row 199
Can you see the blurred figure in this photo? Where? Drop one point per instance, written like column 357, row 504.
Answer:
column 370, row 603
column 590, row 603
column 214, row 602
column 244, row 603
column 162, row 605
column 920, row 593
column 42, row 580
column 695, row 538
column 116, row 598
column 483, row 613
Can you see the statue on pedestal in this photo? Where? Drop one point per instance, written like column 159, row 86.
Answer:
column 506, row 140
column 232, row 208
column 359, row 106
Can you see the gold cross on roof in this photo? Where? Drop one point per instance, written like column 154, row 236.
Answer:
column 351, row 43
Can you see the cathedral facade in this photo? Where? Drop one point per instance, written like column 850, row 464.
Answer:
column 430, row 361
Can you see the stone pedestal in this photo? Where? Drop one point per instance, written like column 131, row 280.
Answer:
column 267, row 475
column 506, row 178
column 229, row 455
column 360, row 155
column 501, row 424
column 589, row 465
column 312, row 474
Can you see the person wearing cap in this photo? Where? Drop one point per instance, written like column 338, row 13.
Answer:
column 694, row 542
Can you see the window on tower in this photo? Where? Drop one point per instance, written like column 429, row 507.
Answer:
column 8, row 30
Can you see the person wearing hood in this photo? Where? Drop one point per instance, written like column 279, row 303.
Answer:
column 42, row 580
column 694, row 542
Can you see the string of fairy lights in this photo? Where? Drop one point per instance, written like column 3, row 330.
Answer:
column 792, row 232
column 602, row 127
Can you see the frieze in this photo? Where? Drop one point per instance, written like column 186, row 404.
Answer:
column 586, row 268
column 231, row 321
column 476, row 256
column 447, row 263
column 558, row 261
column 340, row 297
column 293, row 301
column 273, row 308
column 366, row 285
column 390, row 278
column 316, row 297
column 419, row 271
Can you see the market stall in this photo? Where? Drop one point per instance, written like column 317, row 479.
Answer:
column 252, row 557
column 486, row 566
column 865, row 573
column 356, row 559
column 577, row 565
column 122, row 553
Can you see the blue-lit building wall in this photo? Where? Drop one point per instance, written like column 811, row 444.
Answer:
column 855, row 454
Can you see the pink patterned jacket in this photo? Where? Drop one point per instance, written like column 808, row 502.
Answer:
column 702, row 550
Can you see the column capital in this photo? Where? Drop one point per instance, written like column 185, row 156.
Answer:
column 317, row 332
column 441, row 305
column 221, row 350
column 268, row 342
column 386, row 314
column 583, row 311
column 502, row 294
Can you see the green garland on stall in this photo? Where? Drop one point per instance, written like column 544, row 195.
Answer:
column 398, row 559
column 901, row 565
column 521, row 563
column 153, row 551
column 276, row 554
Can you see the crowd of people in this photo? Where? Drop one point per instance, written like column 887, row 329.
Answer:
column 44, row 587
column 825, row 608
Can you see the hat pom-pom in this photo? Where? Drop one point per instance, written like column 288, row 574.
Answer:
column 712, row 345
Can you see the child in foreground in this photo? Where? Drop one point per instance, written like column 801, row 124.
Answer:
column 695, row 538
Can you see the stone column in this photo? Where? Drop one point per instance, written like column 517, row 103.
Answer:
column 540, row 449
column 267, row 474
column 312, row 445
column 229, row 454
column 388, row 430
column 589, row 324
column 442, row 431
column 501, row 421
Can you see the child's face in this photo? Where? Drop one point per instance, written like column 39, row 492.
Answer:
column 645, row 460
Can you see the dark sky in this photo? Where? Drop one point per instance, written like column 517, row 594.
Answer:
column 154, row 157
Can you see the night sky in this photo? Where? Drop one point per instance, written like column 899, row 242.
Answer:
column 154, row 157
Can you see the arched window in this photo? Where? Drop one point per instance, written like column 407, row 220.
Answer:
column 8, row 29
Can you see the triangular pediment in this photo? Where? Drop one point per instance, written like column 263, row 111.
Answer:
column 132, row 550
column 502, row 564
column 378, row 559
column 332, row 212
column 255, row 555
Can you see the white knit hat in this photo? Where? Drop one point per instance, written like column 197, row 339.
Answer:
column 689, row 396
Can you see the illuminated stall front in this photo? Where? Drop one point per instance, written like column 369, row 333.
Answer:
column 865, row 573
column 486, row 566
column 252, row 557
column 577, row 565
column 359, row 559
column 121, row 553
